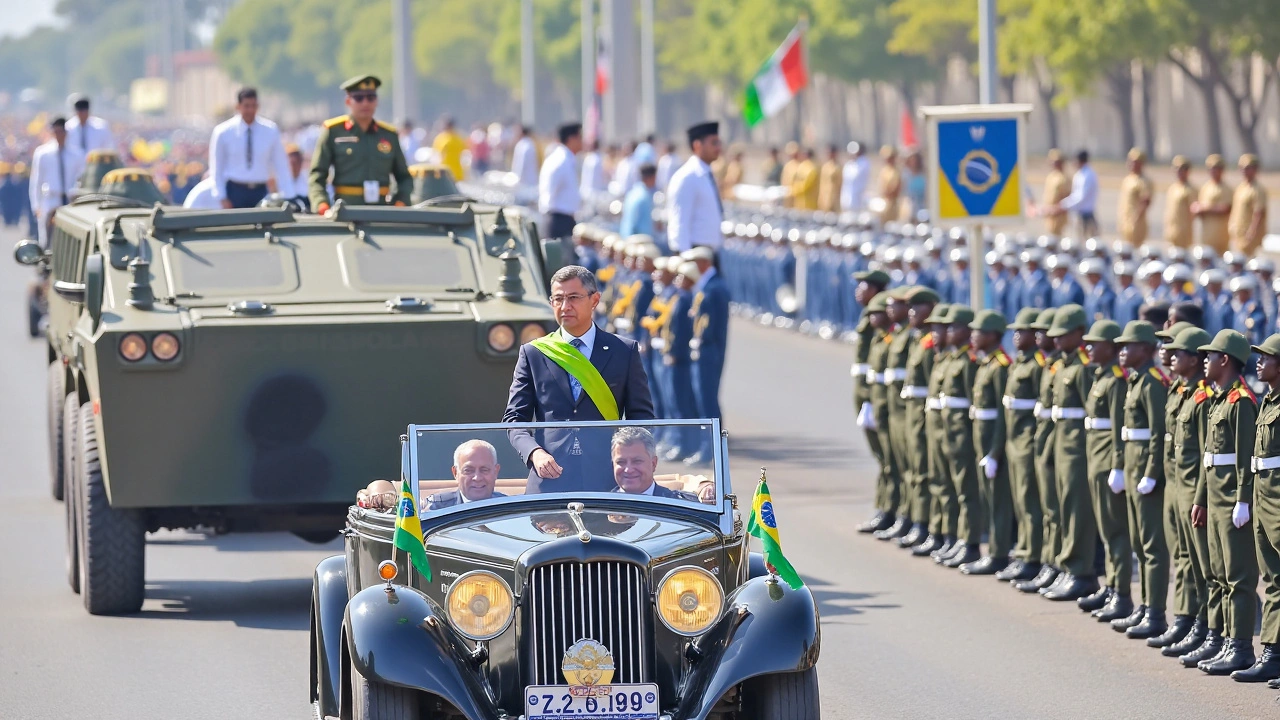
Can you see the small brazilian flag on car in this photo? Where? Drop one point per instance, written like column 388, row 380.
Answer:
column 764, row 525
column 408, row 535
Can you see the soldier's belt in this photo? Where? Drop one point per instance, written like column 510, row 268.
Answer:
column 895, row 375
column 1042, row 412
column 985, row 414
column 1019, row 404
column 1129, row 434
column 1097, row 423
column 1066, row 413
column 1264, row 463
column 875, row 378
column 952, row 402
column 933, row 403
column 916, row 392
column 358, row 189
column 859, row 370
column 1212, row 460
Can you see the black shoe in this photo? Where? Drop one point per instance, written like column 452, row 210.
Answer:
column 1152, row 625
column 1209, row 649
column 987, row 565
column 1118, row 607
column 1074, row 589
column 1274, row 684
column 913, row 537
column 1010, row 571
column 927, row 546
column 1096, row 600
column 1192, row 640
column 956, row 548
column 944, row 550
column 1046, row 575
column 1178, row 630
column 879, row 521
column 967, row 554
column 1133, row 618
column 1267, row 667
column 1063, row 578
column 900, row 527
column 1238, row 656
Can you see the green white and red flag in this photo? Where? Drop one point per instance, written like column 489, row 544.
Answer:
column 778, row 81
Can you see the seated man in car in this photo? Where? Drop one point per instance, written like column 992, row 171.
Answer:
column 475, row 467
column 378, row 495
column 635, row 459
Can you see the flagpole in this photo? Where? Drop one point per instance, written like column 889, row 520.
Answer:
column 802, row 27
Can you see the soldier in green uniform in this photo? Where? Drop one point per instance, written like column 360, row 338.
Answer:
column 870, row 284
column 1266, row 511
column 1184, row 476
column 1051, row 534
column 1104, row 417
column 989, row 441
column 957, row 398
column 1143, row 475
column 1072, row 381
column 944, row 508
column 1224, row 505
column 877, row 360
column 915, row 394
column 1020, row 397
column 363, row 153
column 895, row 372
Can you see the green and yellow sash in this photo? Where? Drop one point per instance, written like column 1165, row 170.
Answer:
column 576, row 364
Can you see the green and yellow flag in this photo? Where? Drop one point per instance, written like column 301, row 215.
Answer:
column 764, row 525
column 408, row 535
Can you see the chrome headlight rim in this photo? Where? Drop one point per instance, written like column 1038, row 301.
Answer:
column 448, row 597
column 715, row 582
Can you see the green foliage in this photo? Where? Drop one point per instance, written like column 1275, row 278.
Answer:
column 253, row 45
column 557, row 44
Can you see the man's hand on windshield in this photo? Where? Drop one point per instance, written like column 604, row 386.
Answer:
column 545, row 465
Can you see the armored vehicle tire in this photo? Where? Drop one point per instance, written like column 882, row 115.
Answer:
column 783, row 696
column 70, row 442
column 57, row 397
column 317, row 537
column 112, row 541
column 379, row 701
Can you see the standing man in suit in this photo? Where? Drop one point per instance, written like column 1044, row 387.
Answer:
column 577, row 373
column 710, row 338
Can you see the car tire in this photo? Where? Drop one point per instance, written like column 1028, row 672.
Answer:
column 783, row 696
column 378, row 701
column 57, row 398
column 112, row 540
column 70, row 443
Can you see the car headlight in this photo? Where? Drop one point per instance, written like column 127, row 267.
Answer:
column 501, row 338
column 690, row 600
column 164, row 347
column 531, row 332
column 480, row 605
column 133, row 347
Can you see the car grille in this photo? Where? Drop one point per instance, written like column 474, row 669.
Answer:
column 603, row 601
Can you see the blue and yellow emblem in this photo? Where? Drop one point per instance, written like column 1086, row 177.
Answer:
column 978, row 173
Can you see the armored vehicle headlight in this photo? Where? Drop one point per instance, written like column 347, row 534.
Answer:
column 164, row 347
column 531, row 332
column 133, row 347
column 502, row 338
column 480, row 605
column 689, row 600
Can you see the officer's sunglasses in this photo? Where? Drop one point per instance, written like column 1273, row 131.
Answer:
column 364, row 97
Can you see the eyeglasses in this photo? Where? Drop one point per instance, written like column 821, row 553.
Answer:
column 574, row 299
column 364, row 97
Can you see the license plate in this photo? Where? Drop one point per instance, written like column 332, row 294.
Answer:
column 629, row 701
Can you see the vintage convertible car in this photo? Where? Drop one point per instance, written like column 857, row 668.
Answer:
column 600, row 605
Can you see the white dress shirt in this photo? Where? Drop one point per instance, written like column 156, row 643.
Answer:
column 201, row 196
column 593, row 180
column 292, row 187
column 588, row 339
column 693, row 207
column 49, row 182
column 95, row 135
column 524, row 162
column 558, row 183
column 230, row 156
column 1084, row 191
column 853, row 189
column 667, row 165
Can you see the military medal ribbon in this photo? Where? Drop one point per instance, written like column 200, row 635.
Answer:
column 408, row 535
column 764, row 525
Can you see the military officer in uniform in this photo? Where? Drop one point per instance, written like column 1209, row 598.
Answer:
column 895, row 375
column 1178, row 231
column 363, row 154
column 957, row 398
column 1046, row 357
column 915, row 394
column 1213, row 206
column 1021, row 393
column 1099, row 302
column 1247, row 222
column 944, row 507
column 890, row 184
column 1057, row 186
column 989, row 441
column 1266, row 508
column 1135, row 198
column 887, row 498
column 870, row 284
column 710, row 338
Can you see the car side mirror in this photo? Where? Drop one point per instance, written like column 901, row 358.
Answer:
column 93, row 284
column 28, row 252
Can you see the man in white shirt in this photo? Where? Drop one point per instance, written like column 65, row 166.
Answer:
column 1084, row 196
column 856, row 175
column 294, row 185
column 667, row 165
column 558, row 197
column 88, row 132
column 201, row 196
column 694, row 211
column 55, row 167
column 524, row 158
column 409, row 142
column 623, row 171
column 246, row 158
column 593, row 179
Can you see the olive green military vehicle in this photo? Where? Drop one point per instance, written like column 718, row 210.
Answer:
column 245, row 370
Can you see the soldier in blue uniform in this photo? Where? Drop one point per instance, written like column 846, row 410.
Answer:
column 1151, row 282
column 1066, row 291
column 959, row 277
column 938, row 269
column 1013, row 289
column 1250, row 318
column 1178, row 286
column 655, row 319
column 997, row 283
column 1099, row 302
column 710, row 312
column 1128, row 295
column 1218, row 313
column 1035, row 286
column 676, row 333
column 1264, row 269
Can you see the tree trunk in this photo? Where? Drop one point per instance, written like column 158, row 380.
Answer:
column 1007, row 83
column 1245, row 108
column 1148, row 127
column 1208, row 92
column 1047, row 89
column 1120, row 94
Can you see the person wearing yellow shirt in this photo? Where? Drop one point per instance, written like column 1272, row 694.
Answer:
column 804, row 183
column 1135, row 198
column 1177, row 206
column 789, row 170
column 829, row 179
column 1247, row 222
column 890, row 183
column 1212, row 206
column 449, row 145
column 734, row 170
column 1057, row 186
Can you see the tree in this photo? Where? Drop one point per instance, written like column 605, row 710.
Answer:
column 557, row 47
column 253, row 45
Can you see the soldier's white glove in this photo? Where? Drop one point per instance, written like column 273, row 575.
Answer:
column 1146, row 485
column 1115, row 481
column 1240, row 515
column 989, row 467
column 866, row 417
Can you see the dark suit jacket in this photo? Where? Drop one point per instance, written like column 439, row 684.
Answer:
column 660, row 490
column 540, row 392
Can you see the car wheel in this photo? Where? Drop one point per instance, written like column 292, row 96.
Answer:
column 783, row 696
column 70, row 441
column 57, row 397
column 112, row 540
column 379, row 701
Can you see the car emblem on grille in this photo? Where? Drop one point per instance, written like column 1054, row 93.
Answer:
column 587, row 662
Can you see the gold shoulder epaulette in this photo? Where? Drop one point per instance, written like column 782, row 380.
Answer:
column 1119, row 371
column 335, row 121
column 387, row 126
column 1002, row 358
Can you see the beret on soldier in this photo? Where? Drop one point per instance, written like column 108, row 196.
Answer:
column 1214, row 161
column 1055, row 155
column 361, row 82
column 1138, row 331
column 1103, row 331
column 1136, row 155
column 1066, row 319
column 1248, row 160
column 1231, row 342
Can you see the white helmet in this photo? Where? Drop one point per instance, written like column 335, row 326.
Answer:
column 1213, row 276
column 1261, row 265
column 1177, row 273
column 1124, row 268
column 1244, row 282
column 1151, row 267
column 1091, row 266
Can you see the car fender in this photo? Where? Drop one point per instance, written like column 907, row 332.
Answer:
column 756, row 566
column 767, row 628
column 399, row 637
column 328, row 607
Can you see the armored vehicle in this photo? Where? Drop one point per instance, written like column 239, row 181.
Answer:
column 248, row 370
column 642, row 603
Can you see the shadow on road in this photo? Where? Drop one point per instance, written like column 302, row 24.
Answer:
column 242, row 542
column 835, row 603
column 263, row 604
column 813, row 453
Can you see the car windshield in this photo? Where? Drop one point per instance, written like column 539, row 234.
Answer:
column 452, row 466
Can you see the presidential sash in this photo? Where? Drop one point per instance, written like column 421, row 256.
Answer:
column 561, row 353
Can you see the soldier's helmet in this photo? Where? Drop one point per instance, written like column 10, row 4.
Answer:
column 1091, row 266
column 1096, row 247
column 1261, row 265
column 132, row 183
column 1122, row 249
column 1058, row 261
column 1204, row 256
column 431, row 181
column 1148, row 252
column 1151, row 267
column 1213, row 276
column 1124, row 268
column 1243, row 282
column 1032, row 255
column 1175, row 254
column 1177, row 273
column 1069, row 245
column 1233, row 258
column 97, row 165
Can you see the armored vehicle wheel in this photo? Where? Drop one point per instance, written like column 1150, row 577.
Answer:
column 783, row 696
column 112, row 541
column 57, row 396
column 317, row 537
column 378, row 701
column 70, row 442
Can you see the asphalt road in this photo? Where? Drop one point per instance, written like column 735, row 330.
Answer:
column 223, row 632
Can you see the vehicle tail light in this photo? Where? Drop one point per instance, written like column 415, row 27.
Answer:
column 501, row 338
column 531, row 332
column 133, row 347
column 164, row 347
